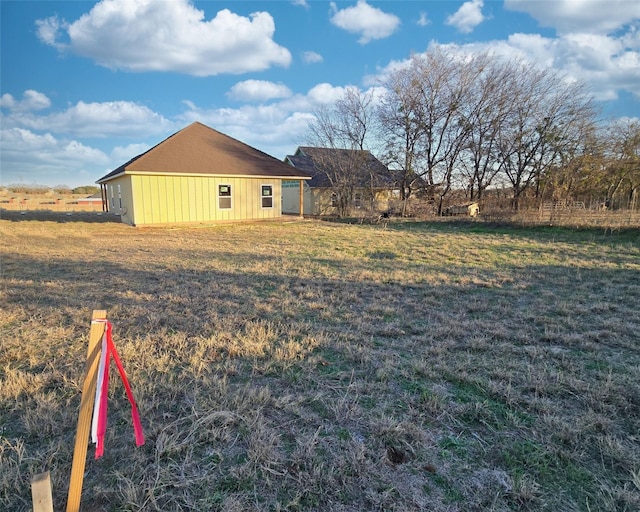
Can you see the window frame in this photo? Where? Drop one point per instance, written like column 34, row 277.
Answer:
column 263, row 196
column 228, row 197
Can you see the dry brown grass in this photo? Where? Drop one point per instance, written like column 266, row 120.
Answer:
column 610, row 220
column 45, row 202
column 319, row 366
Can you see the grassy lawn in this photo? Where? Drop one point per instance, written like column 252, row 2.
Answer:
column 319, row 366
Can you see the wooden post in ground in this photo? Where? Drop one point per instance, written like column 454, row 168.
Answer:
column 86, row 410
column 41, row 493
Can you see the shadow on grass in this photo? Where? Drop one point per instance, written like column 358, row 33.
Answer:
column 488, row 345
column 537, row 232
column 61, row 217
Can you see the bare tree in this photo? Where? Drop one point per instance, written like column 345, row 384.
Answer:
column 623, row 160
column 401, row 128
column 448, row 93
column 580, row 161
column 427, row 116
column 544, row 120
column 340, row 132
column 449, row 119
column 491, row 101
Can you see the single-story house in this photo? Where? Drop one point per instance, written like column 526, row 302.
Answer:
column 372, row 185
column 198, row 175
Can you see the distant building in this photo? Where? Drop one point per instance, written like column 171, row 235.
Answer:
column 94, row 199
column 373, row 184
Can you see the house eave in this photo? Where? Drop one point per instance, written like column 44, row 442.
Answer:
column 105, row 179
column 200, row 175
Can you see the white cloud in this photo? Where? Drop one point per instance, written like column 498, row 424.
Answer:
column 28, row 157
column 31, row 152
column 49, row 29
column 122, row 154
column 31, row 101
column 148, row 35
column 370, row 22
column 19, row 139
column 269, row 128
column 382, row 72
column 606, row 65
column 532, row 47
column 631, row 39
column 324, row 94
column 258, row 90
column 603, row 63
column 277, row 128
column 302, row 3
column 598, row 42
column 266, row 116
column 598, row 16
column 50, row 148
column 113, row 118
column 468, row 17
column 423, row 20
column 310, row 57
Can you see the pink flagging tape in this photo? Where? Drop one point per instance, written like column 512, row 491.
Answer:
column 99, row 423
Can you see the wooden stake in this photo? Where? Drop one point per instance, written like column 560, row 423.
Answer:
column 86, row 410
column 41, row 493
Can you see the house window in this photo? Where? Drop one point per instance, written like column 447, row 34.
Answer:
column 113, row 201
column 120, row 196
column 334, row 200
column 224, row 197
column 357, row 201
column 266, row 193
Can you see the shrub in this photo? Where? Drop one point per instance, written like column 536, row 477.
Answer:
column 62, row 189
column 21, row 188
column 86, row 189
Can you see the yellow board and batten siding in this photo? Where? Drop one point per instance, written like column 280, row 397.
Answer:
column 179, row 199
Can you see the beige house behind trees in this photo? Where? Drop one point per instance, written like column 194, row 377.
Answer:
column 342, row 181
column 198, row 175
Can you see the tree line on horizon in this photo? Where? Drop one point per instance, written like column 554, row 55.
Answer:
column 447, row 122
column 21, row 188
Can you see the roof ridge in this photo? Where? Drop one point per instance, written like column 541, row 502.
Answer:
column 200, row 149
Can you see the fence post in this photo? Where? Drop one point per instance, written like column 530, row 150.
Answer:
column 86, row 410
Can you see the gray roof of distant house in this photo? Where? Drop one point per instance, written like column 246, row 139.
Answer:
column 311, row 160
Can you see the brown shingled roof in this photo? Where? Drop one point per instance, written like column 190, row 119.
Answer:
column 200, row 150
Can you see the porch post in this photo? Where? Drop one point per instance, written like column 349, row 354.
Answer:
column 301, row 199
column 103, row 193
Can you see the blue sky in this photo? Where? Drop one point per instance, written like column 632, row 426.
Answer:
column 85, row 86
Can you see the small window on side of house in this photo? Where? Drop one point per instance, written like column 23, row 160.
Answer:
column 119, row 196
column 113, row 201
column 224, row 197
column 357, row 201
column 266, row 196
column 334, row 200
